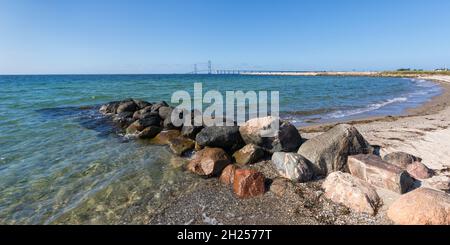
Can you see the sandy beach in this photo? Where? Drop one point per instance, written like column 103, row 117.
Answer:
column 422, row 131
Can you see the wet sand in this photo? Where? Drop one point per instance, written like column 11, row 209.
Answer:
column 423, row 131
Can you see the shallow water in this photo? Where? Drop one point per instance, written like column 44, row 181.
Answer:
column 62, row 162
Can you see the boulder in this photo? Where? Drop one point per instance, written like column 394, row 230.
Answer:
column 401, row 159
column 248, row 154
column 110, row 107
column 181, row 145
column 144, row 111
column 167, row 124
column 191, row 131
column 248, row 183
column 422, row 206
column 328, row 152
column 140, row 124
column 292, row 166
column 440, row 182
column 351, row 192
column 225, row 137
column 209, row 162
column 164, row 136
column 142, row 103
column 227, row 176
column 418, row 170
column 165, row 112
column 125, row 115
column 148, row 114
column 133, row 129
column 149, row 132
column 123, row 119
column 286, row 139
column 377, row 172
column 155, row 107
column 127, row 106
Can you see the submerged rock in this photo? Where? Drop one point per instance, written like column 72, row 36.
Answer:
column 379, row 173
column 401, row 159
column 328, row 152
column 248, row 183
column 180, row 145
column 422, row 206
column 209, row 162
column 164, row 136
column 123, row 119
column 225, row 137
column 286, row 138
column 292, row 166
column 351, row 192
column 248, row 154
column 149, row 132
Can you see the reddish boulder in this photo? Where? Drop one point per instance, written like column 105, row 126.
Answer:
column 209, row 162
column 422, row 206
column 377, row 172
column 352, row 192
column 248, row 183
column 227, row 176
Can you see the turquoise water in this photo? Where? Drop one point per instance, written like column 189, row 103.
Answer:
column 62, row 162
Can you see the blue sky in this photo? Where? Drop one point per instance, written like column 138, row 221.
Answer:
column 169, row 36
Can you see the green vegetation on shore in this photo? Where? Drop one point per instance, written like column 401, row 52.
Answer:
column 408, row 72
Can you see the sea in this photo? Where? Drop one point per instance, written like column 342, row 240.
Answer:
column 62, row 162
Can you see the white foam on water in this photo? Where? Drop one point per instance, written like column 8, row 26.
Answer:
column 371, row 107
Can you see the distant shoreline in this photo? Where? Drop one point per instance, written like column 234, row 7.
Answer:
column 434, row 106
column 347, row 73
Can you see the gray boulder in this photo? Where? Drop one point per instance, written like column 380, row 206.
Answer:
column 292, row 166
column 328, row 152
column 110, row 107
column 127, row 106
column 142, row 103
column 165, row 112
column 155, row 107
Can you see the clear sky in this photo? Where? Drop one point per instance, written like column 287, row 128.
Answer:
column 169, row 36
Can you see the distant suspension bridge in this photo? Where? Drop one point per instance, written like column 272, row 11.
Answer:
column 207, row 68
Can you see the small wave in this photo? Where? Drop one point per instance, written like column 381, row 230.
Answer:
column 371, row 107
column 422, row 83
